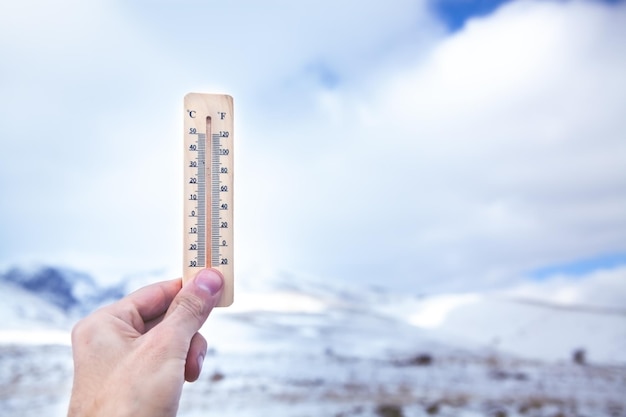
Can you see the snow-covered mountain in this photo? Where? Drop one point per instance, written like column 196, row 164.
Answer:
column 67, row 289
column 299, row 347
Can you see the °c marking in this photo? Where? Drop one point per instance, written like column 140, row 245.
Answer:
column 192, row 113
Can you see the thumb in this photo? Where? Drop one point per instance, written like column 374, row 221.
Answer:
column 192, row 305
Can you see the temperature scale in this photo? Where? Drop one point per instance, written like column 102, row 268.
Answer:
column 208, row 188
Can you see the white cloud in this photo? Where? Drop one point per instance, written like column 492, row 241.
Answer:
column 499, row 153
column 443, row 162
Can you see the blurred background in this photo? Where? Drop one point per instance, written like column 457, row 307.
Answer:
column 432, row 148
column 425, row 145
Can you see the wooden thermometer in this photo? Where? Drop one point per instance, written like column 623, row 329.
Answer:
column 208, row 188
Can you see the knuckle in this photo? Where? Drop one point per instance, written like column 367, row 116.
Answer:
column 192, row 306
column 84, row 330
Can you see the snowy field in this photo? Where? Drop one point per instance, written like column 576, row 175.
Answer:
column 323, row 352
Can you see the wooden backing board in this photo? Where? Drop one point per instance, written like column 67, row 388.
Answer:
column 208, row 188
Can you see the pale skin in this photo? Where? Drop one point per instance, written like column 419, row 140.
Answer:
column 132, row 357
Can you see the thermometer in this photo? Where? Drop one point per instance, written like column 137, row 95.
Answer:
column 208, row 188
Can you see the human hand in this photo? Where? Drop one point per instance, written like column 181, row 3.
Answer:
column 132, row 357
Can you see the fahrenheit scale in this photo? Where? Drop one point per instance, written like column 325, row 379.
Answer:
column 208, row 188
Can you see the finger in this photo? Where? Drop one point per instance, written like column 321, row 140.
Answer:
column 146, row 304
column 195, row 357
column 192, row 305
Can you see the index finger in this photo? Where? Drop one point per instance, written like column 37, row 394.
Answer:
column 146, row 303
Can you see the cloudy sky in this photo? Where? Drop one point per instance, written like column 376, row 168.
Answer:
column 426, row 146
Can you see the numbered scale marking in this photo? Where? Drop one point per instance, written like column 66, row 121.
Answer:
column 208, row 185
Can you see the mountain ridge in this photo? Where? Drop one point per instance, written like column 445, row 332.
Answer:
column 56, row 297
column 70, row 290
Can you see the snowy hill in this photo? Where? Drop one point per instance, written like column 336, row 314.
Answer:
column 298, row 347
column 543, row 331
column 40, row 305
column 27, row 319
column 528, row 324
column 69, row 290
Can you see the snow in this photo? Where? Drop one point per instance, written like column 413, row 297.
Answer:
column 308, row 349
column 538, row 331
column 35, row 337
column 433, row 312
column 21, row 309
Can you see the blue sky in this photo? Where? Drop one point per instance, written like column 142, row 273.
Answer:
column 450, row 147
column 454, row 13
